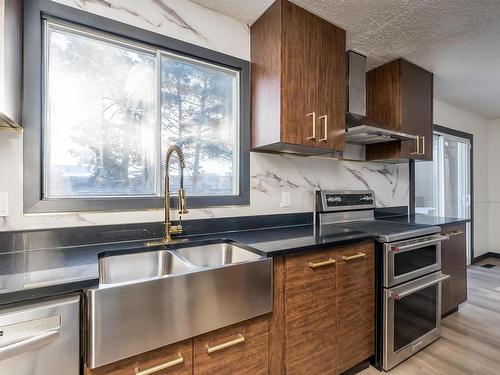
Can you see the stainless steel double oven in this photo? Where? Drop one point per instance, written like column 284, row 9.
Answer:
column 411, row 297
column 408, row 272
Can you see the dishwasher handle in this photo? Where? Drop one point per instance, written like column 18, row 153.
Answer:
column 31, row 343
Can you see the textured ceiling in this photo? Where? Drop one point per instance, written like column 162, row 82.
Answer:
column 458, row 40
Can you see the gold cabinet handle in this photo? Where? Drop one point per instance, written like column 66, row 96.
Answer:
column 163, row 366
column 423, row 144
column 313, row 114
column 352, row 257
column 325, row 124
column 239, row 340
column 417, row 152
column 453, row 233
column 322, row 264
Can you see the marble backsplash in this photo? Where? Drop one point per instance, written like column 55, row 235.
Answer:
column 179, row 19
column 270, row 176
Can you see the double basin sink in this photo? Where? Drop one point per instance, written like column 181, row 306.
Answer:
column 162, row 262
column 151, row 297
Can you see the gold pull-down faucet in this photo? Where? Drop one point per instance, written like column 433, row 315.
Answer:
column 169, row 228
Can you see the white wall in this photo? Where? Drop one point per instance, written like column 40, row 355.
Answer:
column 2, row 53
column 270, row 174
column 494, row 184
column 455, row 118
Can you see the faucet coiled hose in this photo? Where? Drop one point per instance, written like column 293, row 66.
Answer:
column 180, row 156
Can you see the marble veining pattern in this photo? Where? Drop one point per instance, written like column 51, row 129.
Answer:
column 270, row 176
column 182, row 20
column 301, row 176
column 4, row 224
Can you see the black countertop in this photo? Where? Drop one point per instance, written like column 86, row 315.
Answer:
column 39, row 273
column 36, row 273
column 425, row 219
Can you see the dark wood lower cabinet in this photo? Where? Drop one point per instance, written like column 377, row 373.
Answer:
column 323, row 316
column 310, row 313
column 356, row 304
column 238, row 349
column 242, row 348
column 454, row 263
column 175, row 359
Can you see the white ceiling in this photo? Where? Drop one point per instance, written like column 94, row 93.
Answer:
column 458, row 40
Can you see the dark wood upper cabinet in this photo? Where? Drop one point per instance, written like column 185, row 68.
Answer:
column 298, row 82
column 399, row 95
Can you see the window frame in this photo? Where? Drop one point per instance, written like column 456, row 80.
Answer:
column 35, row 13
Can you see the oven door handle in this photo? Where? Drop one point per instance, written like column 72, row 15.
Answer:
column 414, row 245
column 398, row 296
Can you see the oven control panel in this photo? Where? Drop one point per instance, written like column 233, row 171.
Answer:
column 345, row 200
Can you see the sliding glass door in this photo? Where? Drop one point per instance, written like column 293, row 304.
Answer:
column 443, row 186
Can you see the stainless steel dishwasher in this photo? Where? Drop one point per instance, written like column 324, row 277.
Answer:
column 41, row 338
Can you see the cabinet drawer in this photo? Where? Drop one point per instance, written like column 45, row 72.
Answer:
column 356, row 304
column 238, row 349
column 175, row 359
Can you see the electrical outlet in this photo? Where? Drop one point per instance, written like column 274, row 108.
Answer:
column 285, row 199
column 4, row 204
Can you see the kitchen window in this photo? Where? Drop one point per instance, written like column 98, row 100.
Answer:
column 111, row 106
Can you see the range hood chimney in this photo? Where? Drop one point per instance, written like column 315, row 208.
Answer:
column 360, row 129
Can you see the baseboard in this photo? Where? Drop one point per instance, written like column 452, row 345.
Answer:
column 357, row 368
column 479, row 258
column 486, row 255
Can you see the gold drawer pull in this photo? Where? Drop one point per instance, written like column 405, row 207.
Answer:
column 453, row 233
column 313, row 136
column 322, row 264
column 423, row 145
column 239, row 340
column 352, row 257
column 163, row 366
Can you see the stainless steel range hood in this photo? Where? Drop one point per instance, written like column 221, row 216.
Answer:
column 360, row 129
column 369, row 134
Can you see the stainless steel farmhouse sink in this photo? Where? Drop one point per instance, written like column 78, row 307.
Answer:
column 139, row 265
column 217, row 254
column 152, row 297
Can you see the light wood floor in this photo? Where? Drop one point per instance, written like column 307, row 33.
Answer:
column 470, row 342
